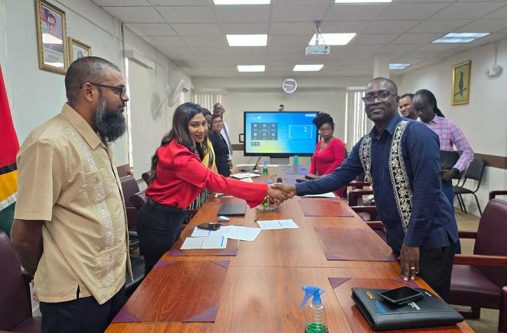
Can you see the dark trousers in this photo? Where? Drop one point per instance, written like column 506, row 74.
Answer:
column 83, row 315
column 158, row 227
column 435, row 267
column 448, row 192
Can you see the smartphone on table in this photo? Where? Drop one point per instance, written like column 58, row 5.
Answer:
column 401, row 296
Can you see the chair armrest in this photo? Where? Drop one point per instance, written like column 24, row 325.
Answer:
column 480, row 260
column 354, row 195
column 502, row 322
column 358, row 184
column 493, row 194
column 372, row 210
column 375, row 225
column 467, row 234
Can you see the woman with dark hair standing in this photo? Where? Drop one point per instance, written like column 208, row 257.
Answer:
column 177, row 178
column 220, row 146
column 329, row 152
column 450, row 135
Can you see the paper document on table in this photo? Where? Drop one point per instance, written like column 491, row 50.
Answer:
column 215, row 242
column 206, row 233
column 322, row 195
column 278, row 224
column 247, row 180
column 241, row 233
column 242, row 175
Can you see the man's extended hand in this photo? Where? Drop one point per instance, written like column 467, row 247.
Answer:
column 277, row 193
column 447, row 175
column 288, row 190
column 409, row 262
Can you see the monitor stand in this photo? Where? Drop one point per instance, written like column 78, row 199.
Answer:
column 279, row 160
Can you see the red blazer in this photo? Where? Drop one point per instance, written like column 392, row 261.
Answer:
column 181, row 177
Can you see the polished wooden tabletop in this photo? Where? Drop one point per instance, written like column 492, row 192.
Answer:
column 256, row 286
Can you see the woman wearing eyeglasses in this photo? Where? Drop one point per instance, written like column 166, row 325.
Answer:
column 177, row 178
column 329, row 152
column 220, row 147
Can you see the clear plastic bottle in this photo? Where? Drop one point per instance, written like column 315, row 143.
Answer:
column 317, row 315
column 265, row 168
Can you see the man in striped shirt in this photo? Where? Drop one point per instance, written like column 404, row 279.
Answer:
column 450, row 135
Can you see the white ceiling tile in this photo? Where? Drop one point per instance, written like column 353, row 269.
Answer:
column 135, row 14
column 291, row 28
column 198, row 71
column 389, row 26
column 242, row 14
column 410, row 38
column 415, row 11
column 288, row 40
column 353, row 12
column 151, row 29
column 121, row 3
column 187, row 14
column 214, row 41
column 196, row 29
column 211, row 52
column 296, row 11
column 484, row 25
column 248, row 28
column 499, row 13
column 468, row 10
column 400, row 48
column 165, row 41
column 344, row 26
column 439, row 26
column 243, row 51
column 367, row 39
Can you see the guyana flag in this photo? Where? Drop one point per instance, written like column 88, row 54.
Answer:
column 9, row 147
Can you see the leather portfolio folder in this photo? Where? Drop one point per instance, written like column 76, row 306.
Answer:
column 428, row 311
column 448, row 159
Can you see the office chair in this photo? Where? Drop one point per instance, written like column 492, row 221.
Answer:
column 475, row 172
column 15, row 304
column 477, row 280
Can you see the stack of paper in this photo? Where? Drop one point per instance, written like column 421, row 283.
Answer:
column 217, row 239
column 278, row 224
column 322, row 195
column 215, row 242
column 242, row 175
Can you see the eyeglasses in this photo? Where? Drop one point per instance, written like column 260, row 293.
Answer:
column 120, row 91
column 382, row 95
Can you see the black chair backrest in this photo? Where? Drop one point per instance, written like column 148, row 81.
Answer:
column 139, row 199
column 146, row 177
column 15, row 306
column 490, row 239
column 475, row 171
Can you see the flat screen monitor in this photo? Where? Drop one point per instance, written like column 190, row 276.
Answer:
column 279, row 134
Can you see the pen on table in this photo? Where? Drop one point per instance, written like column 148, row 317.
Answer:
column 222, row 242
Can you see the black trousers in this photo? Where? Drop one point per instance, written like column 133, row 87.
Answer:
column 83, row 315
column 435, row 267
column 158, row 227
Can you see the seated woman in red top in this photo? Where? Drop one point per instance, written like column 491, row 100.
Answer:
column 329, row 152
column 177, row 178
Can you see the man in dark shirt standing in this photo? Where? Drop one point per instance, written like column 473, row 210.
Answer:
column 401, row 158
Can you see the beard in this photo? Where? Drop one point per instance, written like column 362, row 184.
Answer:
column 110, row 124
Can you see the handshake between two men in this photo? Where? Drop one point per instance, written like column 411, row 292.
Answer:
column 281, row 192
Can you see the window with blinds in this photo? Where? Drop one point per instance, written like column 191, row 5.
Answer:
column 357, row 123
column 207, row 99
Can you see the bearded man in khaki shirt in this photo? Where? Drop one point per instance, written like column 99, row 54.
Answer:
column 70, row 224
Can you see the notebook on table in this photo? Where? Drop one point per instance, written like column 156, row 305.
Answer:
column 429, row 311
column 232, row 209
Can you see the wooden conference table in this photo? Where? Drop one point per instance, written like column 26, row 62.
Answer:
column 256, row 286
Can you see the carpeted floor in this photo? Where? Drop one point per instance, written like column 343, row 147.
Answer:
column 488, row 323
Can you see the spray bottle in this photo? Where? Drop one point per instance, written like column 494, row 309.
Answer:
column 265, row 168
column 316, row 314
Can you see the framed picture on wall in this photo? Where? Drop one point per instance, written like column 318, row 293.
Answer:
column 51, row 37
column 461, row 83
column 78, row 50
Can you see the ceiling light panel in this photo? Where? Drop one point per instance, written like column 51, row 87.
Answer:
column 460, row 37
column 333, row 38
column 398, row 66
column 307, row 68
column 251, row 68
column 247, row 40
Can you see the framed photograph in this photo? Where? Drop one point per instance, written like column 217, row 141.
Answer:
column 78, row 50
column 461, row 83
column 51, row 37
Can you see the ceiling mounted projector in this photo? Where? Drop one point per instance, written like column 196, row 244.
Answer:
column 318, row 48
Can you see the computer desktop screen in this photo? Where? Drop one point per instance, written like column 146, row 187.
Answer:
column 279, row 134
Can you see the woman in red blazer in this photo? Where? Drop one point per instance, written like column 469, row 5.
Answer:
column 177, row 178
column 329, row 152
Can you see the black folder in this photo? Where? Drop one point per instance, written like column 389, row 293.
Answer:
column 448, row 159
column 381, row 315
column 232, row 209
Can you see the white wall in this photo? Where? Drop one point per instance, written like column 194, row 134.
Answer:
column 484, row 119
column 331, row 101
column 36, row 95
